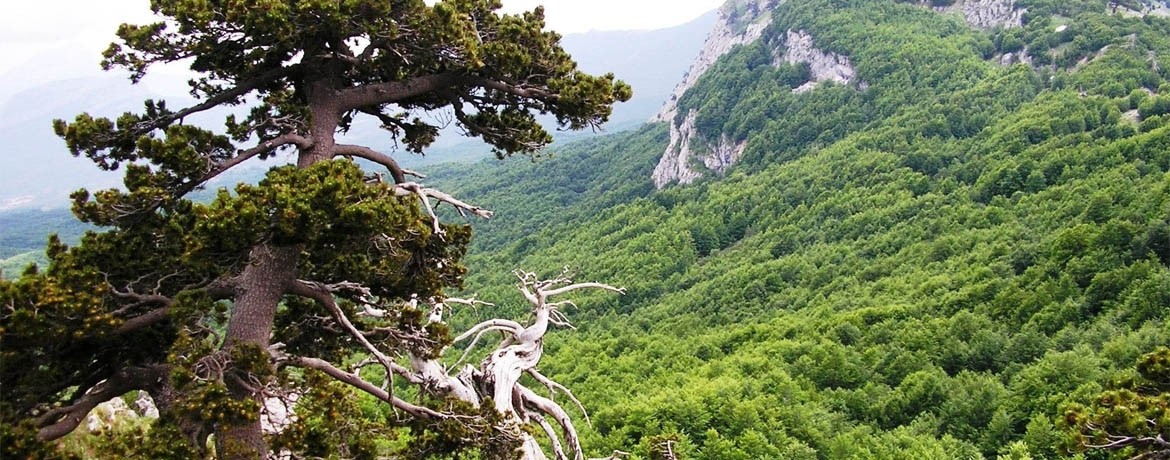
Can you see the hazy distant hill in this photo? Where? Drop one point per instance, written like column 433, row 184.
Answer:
column 651, row 61
column 37, row 169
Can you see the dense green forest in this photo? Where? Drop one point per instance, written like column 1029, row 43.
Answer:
column 22, row 238
column 937, row 266
column 959, row 260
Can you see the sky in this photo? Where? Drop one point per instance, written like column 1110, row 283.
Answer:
column 50, row 40
column 575, row 16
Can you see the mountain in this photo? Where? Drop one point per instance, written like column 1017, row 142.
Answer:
column 927, row 230
column 38, row 169
column 649, row 60
column 40, row 173
column 937, row 249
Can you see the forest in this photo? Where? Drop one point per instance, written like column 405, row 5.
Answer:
column 943, row 265
column 961, row 259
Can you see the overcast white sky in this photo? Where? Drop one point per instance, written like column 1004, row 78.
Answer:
column 44, row 40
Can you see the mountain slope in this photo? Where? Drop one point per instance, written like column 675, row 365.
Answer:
column 930, row 265
column 929, row 260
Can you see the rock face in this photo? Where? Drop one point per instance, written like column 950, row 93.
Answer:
column 723, row 155
column 673, row 166
column 1020, row 57
column 144, row 405
column 277, row 413
column 108, row 414
column 739, row 22
column 688, row 149
column 986, row 14
column 798, row 48
column 1159, row 8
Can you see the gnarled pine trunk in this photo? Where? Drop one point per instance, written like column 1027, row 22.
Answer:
column 268, row 277
column 261, row 285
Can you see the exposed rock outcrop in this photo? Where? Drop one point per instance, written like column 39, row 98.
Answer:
column 688, row 148
column 1145, row 8
column 108, row 414
column 277, row 413
column 740, row 22
column 798, row 48
column 1019, row 57
column 674, row 165
column 144, row 406
column 985, row 14
column 723, row 154
column 989, row 14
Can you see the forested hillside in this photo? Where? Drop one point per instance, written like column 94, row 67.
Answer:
column 961, row 251
column 941, row 262
column 22, row 237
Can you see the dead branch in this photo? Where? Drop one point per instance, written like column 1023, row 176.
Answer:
column 558, row 449
column 426, row 193
column 324, row 296
column 475, row 340
column 357, row 382
column 553, row 386
column 497, row 376
column 554, row 410
column 497, row 324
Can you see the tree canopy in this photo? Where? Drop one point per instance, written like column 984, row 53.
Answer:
column 269, row 290
column 934, row 266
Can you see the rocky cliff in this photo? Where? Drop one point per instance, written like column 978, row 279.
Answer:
column 989, row 14
column 739, row 22
column 798, row 48
column 689, row 155
column 983, row 14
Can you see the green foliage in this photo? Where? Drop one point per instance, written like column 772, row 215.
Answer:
column 19, row 441
column 968, row 248
column 188, row 300
column 12, row 266
column 934, row 265
column 24, row 230
column 1154, row 106
column 1132, row 417
column 334, row 424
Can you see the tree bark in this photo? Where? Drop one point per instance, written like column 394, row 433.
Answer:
column 62, row 421
column 271, row 271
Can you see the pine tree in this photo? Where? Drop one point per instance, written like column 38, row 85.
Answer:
column 212, row 307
